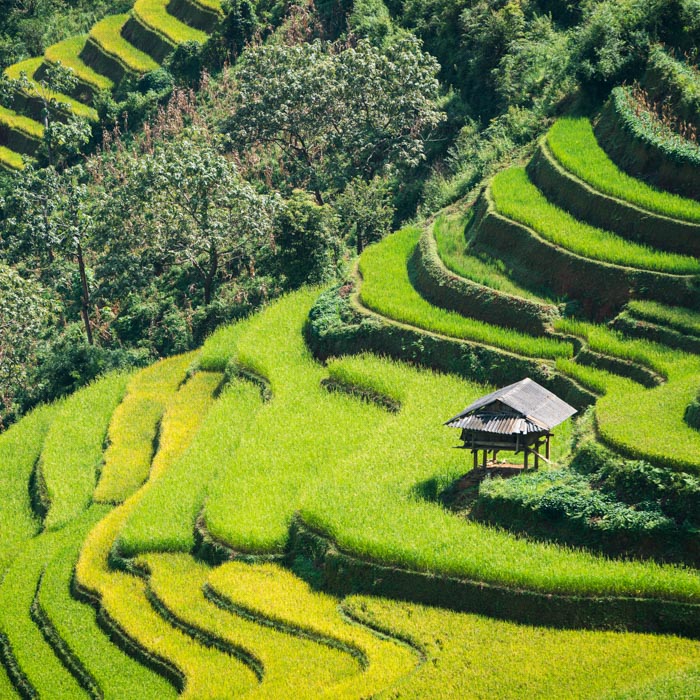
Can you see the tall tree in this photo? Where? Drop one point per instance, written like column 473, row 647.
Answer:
column 331, row 112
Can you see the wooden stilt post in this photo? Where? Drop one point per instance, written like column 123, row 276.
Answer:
column 484, row 457
column 527, row 454
column 547, row 447
column 537, row 455
column 476, row 458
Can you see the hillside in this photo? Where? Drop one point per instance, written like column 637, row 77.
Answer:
column 233, row 330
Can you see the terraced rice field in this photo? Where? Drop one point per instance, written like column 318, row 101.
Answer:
column 203, row 527
column 112, row 50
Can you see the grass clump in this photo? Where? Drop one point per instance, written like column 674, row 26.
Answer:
column 29, row 68
column 133, row 429
column 453, row 250
column 72, row 453
column 67, row 53
column 573, row 143
column 518, row 199
column 154, row 14
column 387, row 289
column 522, row 661
column 680, row 319
column 107, row 35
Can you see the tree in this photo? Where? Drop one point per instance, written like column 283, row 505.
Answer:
column 49, row 215
column 189, row 208
column 331, row 112
column 24, row 312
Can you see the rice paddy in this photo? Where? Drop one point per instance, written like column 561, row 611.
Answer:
column 154, row 15
column 573, row 143
column 107, row 35
column 67, row 53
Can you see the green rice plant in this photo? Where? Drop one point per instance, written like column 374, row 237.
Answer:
column 478, row 657
column 661, row 359
column 7, row 690
column 219, row 347
column 272, row 593
column 10, row 160
column 34, row 657
column 212, row 5
column 678, row 684
column 113, row 673
column 597, row 380
column 272, row 346
column 518, row 199
column 133, row 429
column 72, row 453
column 107, row 35
column 165, row 517
column 200, row 672
column 154, row 15
column 357, row 485
column 28, row 68
column 573, row 144
column 67, row 53
column 454, row 253
column 367, row 505
column 676, row 317
column 387, row 290
column 20, row 447
column 11, row 120
column 305, row 664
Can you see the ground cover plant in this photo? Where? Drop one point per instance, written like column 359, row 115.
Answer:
column 387, row 289
column 517, row 198
column 22, row 124
column 573, row 143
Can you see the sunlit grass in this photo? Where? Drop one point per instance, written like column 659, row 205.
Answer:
column 11, row 159
column 573, row 143
column 67, row 53
column 680, row 319
column 522, row 661
column 20, row 447
column 154, row 14
column 387, row 289
column 518, row 199
column 29, row 68
column 72, row 453
column 132, row 430
column 452, row 248
column 107, row 35
column 273, row 593
column 25, row 125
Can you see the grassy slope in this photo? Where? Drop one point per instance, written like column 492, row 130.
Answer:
column 67, row 53
column 387, row 289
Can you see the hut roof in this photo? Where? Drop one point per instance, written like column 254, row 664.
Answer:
column 523, row 407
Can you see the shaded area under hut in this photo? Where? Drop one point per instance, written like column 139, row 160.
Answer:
column 517, row 418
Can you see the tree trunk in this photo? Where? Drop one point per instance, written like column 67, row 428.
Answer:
column 85, row 297
column 211, row 274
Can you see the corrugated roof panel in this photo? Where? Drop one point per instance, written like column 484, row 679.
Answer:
column 530, row 400
column 496, row 423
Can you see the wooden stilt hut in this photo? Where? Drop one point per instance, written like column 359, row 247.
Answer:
column 517, row 418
